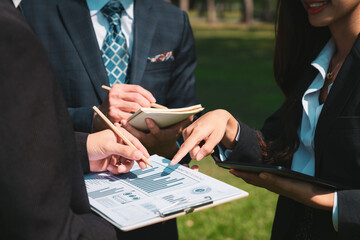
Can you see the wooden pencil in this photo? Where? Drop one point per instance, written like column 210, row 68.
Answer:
column 119, row 133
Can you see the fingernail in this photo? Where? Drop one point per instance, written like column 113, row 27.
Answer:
column 199, row 156
column 263, row 176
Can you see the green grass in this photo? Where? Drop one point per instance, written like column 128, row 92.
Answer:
column 234, row 73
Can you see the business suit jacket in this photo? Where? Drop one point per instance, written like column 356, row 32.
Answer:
column 66, row 30
column 337, row 157
column 43, row 192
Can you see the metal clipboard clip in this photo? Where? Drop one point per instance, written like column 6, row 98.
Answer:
column 186, row 206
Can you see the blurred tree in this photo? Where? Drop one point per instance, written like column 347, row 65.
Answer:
column 247, row 12
column 211, row 11
column 220, row 10
column 184, row 5
column 202, row 8
column 266, row 14
column 215, row 10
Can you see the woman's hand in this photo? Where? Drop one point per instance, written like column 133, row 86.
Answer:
column 299, row 191
column 204, row 134
column 106, row 151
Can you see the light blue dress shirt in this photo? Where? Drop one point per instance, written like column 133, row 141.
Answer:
column 304, row 158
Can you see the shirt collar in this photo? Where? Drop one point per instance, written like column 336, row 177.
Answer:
column 96, row 5
column 321, row 63
column 16, row 3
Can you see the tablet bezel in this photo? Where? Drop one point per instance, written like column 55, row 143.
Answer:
column 280, row 171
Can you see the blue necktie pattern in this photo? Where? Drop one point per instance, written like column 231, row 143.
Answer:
column 114, row 50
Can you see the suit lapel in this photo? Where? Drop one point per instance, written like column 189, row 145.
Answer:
column 338, row 96
column 77, row 21
column 144, row 28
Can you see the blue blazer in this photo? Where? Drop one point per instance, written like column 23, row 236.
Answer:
column 65, row 28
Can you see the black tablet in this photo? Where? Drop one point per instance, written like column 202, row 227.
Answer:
column 280, row 171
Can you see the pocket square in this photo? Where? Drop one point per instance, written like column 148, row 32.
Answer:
column 162, row 57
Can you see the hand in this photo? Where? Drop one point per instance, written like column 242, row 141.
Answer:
column 299, row 191
column 106, row 151
column 159, row 141
column 205, row 133
column 122, row 100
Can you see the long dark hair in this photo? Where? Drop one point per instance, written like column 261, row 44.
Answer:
column 297, row 45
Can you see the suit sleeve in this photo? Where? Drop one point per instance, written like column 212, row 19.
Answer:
column 247, row 148
column 82, row 119
column 38, row 167
column 349, row 214
column 82, row 155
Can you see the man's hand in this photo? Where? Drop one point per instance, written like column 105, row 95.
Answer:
column 159, row 141
column 121, row 102
column 299, row 191
column 106, row 151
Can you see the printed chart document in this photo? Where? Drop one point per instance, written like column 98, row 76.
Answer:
column 143, row 197
column 162, row 117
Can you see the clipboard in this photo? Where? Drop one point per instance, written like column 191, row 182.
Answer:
column 184, row 206
column 280, row 171
column 143, row 197
column 164, row 214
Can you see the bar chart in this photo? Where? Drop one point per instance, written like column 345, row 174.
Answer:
column 157, row 179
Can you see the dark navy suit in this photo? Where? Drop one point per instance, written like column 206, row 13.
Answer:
column 66, row 30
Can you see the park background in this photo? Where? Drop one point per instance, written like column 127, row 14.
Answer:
column 234, row 45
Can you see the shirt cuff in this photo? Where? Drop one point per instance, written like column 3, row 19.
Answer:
column 225, row 153
column 335, row 215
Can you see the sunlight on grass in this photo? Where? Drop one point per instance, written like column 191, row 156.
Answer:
column 247, row 218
